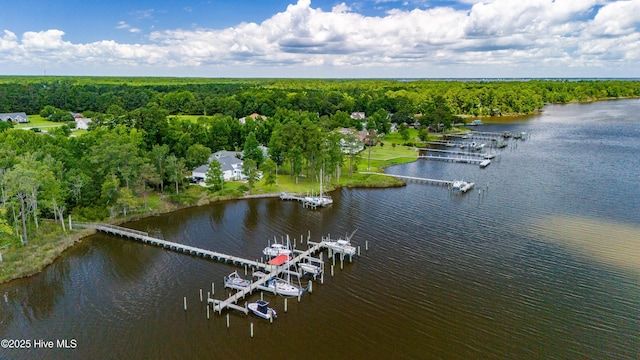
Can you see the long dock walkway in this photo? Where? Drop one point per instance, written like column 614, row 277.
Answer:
column 413, row 178
column 455, row 152
column 190, row 250
column 464, row 160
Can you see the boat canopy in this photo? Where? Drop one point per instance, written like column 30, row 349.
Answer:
column 279, row 260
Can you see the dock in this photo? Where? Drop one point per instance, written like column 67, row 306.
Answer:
column 181, row 248
column 461, row 159
column 456, row 152
column 300, row 198
column 231, row 302
column 413, row 179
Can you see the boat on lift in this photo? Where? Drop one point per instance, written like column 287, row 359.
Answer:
column 234, row 281
column 276, row 249
column 262, row 309
column 321, row 200
column 310, row 269
column 342, row 246
column 283, row 287
column 461, row 186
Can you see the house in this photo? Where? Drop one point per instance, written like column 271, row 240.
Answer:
column 355, row 146
column 15, row 117
column 358, row 115
column 254, row 116
column 82, row 123
column 230, row 163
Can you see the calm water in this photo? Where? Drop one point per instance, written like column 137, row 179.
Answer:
column 542, row 264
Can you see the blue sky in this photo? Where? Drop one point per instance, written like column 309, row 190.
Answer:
column 322, row 38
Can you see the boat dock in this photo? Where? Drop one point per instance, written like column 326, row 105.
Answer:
column 300, row 198
column 186, row 249
column 230, row 302
column 413, row 178
column 464, row 160
column 455, row 152
column 259, row 284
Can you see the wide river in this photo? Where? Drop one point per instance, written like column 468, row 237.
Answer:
column 540, row 260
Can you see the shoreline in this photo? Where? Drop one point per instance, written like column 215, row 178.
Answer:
column 56, row 248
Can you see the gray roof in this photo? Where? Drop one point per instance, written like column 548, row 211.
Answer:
column 17, row 117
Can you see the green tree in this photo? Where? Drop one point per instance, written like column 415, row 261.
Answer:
column 250, row 170
column 148, row 176
column 215, row 176
column 125, row 201
column 269, row 170
column 197, row 155
column 251, row 149
column 158, row 157
column 403, row 130
column 176, row 170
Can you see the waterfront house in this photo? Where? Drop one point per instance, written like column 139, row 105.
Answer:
column 15, row 117
column 230, row 163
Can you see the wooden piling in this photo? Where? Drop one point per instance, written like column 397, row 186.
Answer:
column 207, row 312
column 285, row 304
column 228, row 320
column 185, row 303
column 200, row 295
column 252, row 329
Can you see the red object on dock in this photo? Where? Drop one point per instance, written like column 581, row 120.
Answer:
column 279, row 260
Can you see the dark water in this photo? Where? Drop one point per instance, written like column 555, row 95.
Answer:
column 544, row 263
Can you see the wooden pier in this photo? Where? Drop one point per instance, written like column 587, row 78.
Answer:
column 185, row 249
column 231, row 301
column 463, row 160
column 422, row 151
column 413, row 178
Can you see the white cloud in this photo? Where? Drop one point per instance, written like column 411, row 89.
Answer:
column 498, row 35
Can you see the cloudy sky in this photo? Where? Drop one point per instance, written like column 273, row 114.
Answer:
column 321, row 38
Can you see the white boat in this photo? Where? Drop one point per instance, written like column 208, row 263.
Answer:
column 461, row 186
column 276, row 249
column 342, row 246
column 484, row 163
column 283, row 287
column 310, row 269
column 321, row 199
column 475, row 122
column 234, row 281
column 318, row 201
column 262, row 309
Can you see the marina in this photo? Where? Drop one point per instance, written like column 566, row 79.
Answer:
column 281, row 262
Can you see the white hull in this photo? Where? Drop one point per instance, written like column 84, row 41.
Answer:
column 234, row 281
column 284, row 288
column 275, row 250
column 310, row 269
column 262, row 310
column 341, row 247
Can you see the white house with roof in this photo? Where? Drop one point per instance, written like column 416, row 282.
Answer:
column 230, row 163
column 15, row 117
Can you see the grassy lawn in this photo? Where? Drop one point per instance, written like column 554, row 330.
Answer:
column 192, row 118
column 36, row 121
column 381, row 157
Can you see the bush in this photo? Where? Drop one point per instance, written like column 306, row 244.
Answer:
column 90, row 213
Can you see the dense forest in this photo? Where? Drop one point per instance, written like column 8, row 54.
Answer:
column 136, row 144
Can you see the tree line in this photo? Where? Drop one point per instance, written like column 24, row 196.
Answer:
column 135, row 145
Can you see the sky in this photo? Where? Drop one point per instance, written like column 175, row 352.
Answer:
column 322, row 38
